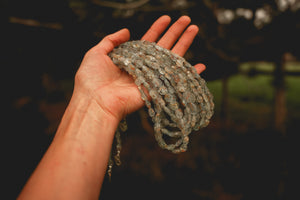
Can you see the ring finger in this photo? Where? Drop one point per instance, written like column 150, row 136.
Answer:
column 185, row 40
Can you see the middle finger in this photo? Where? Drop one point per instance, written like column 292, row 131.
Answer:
column 174, row 32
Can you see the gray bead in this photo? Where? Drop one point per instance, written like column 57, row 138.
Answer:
column 151, row 112
column 180, row 97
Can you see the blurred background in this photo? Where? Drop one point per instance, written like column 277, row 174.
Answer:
column 250, row 48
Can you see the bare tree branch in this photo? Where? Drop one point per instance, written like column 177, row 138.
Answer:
column 166, row 8
column 139, row 5
column 35, row 23
column 220, row 53
column 131, row 5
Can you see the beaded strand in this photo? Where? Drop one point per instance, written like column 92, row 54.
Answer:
column 180, row 99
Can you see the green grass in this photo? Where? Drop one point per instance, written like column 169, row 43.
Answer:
column 293, row 97
column 257, row 88
column 251, row 98
column 261, row 66
column 267, row 67
column 292, row 67
column 215, row 88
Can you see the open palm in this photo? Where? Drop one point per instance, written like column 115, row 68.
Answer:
column 112, row 88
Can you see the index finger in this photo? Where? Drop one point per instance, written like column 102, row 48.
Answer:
column 157, row 28
column 113, row 40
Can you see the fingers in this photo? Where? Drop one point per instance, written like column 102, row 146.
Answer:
column 157, row 28
column 185, row 40
column 200, row 68
column 174, row 32
column 108, row 43
column 172, row 35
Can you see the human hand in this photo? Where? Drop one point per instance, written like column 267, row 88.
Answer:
column 113, row 89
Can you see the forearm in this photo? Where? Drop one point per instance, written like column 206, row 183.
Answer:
column 75, row 163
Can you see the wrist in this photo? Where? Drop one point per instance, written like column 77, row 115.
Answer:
column 84, row 114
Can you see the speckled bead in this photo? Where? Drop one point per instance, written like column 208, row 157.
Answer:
column 180, row 99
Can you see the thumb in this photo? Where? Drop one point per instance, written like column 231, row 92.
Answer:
column 109, row 42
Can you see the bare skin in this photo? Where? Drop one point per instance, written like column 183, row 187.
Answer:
column 75, row 163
